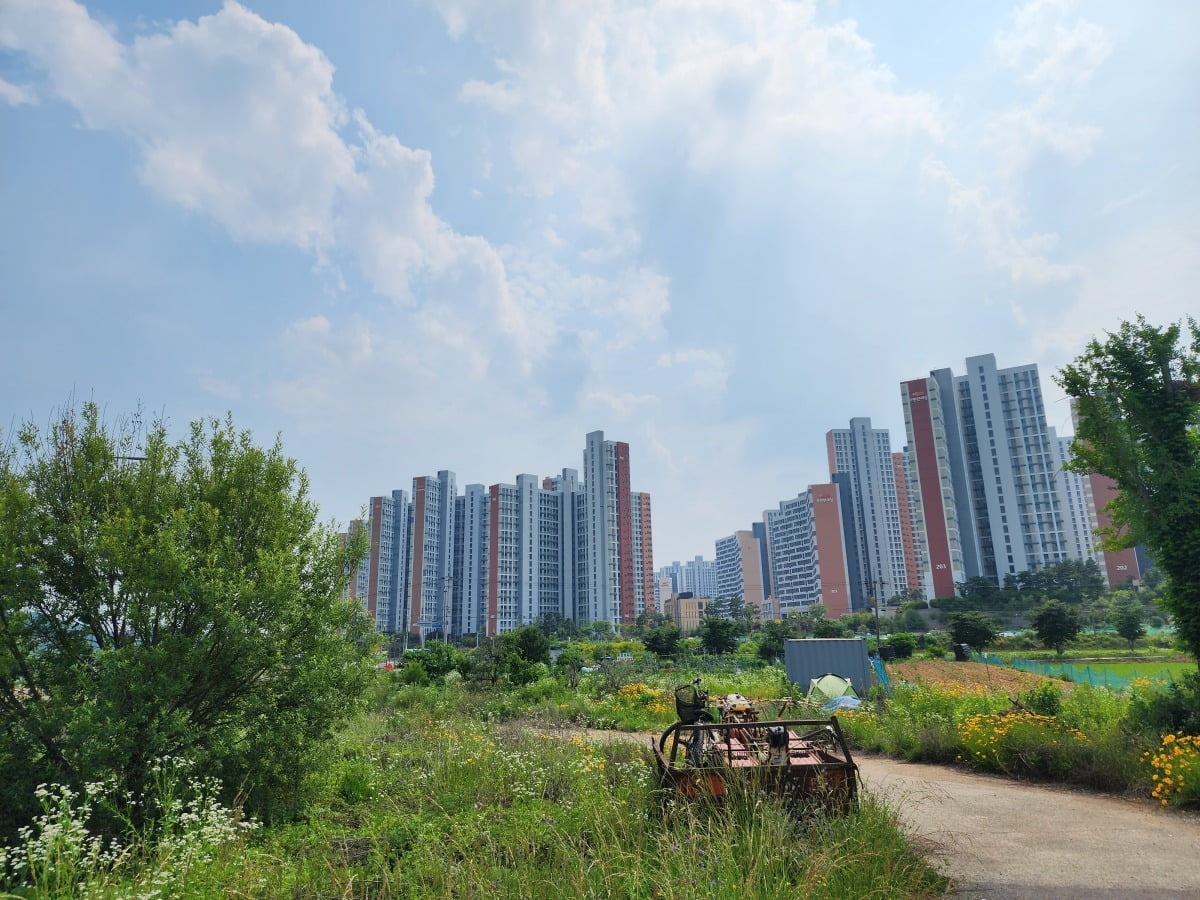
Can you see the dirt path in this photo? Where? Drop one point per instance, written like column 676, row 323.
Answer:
column 1006, row 840
column 999, row 839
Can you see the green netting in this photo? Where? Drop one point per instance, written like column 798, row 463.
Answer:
column 1085, row 674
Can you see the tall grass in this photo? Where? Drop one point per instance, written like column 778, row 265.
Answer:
column 434, row 795
column 1087, row 736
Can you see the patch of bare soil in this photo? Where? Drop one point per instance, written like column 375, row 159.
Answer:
column 942, row 673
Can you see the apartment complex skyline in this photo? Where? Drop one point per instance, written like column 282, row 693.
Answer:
column 980, row 489
column 500, row 556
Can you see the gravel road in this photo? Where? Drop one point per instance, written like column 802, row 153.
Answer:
column 1000, row 839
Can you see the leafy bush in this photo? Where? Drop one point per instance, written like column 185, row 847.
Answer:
column 1175, row 710
column 181, row 602
column 1177, row 770
column 1045, row 699
column 903, row 643
column 1020, row 744
column 414, row 673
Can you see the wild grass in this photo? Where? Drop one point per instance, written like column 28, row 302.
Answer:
column 1087, row 736
column 435, row 794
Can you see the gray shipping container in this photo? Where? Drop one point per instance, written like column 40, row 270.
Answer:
column 811, row 657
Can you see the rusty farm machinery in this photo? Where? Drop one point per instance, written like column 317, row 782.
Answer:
column 737, row 743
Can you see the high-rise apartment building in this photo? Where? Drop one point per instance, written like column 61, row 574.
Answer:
column 1120, row 567
column 983, row 474
column 383, row 578
column 1011, row 467
column 739, row 567
column 939, row 495
column 807, row 553
column 864, row 455
column 696, row 576
column 572, row 559
column 608, row 543
column 643, row 554
column 469, row 579
column 1073, row 502
column 496, row 558
column 432, row 554
column 912, row 569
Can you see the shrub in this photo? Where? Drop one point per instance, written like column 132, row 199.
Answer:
column 183, row 601
column 1177, row 770
column 414, row 673
column 903, row 643
column 1045, row 699
column 1020, row 744
column 1174, row 710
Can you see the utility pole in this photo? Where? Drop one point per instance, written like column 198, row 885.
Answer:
column 871, row 583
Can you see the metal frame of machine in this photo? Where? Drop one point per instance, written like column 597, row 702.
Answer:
column 805, row 761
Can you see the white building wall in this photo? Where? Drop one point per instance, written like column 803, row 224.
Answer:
column 865, row 454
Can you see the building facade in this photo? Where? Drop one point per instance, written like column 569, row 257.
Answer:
column 496, row 558
column 807, row 553
column 1010, row 464
column 740, row 574
column 864, row 455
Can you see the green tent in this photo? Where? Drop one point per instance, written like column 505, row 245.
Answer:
column 827, row 687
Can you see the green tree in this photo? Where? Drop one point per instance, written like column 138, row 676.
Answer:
column 972, row 628
column 830, row 628
column 718, row 635
column 556, row 625
column 1127, row 617
column 903, row 643
column 570, row 664
column 1055, row 625
column 771, row 641
column 663, row 640
column 167, row 599
column 438, row 659
column 1138, row 396
column 528, row 643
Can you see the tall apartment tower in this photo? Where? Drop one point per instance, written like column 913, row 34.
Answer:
column 643, row 554
column 912, row 569
column 384, row 578
column 740, row 569
column 807, row 553
column 570, row 497
column 864, row 454
column 1011, row 467
column 469, row 574
column 939, row 496
column 1073, row 502
column 524, row 553
column 609, row 531
column 432, row 554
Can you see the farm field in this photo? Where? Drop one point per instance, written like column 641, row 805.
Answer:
column 943, row 673
column 1137, row 668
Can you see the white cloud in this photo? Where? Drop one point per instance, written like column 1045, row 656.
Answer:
column 1046, row 50
column 725, row 85
column 237, row 118
column 994, row 224
column 1054, row 55
column 17, row 94
column 708, row 368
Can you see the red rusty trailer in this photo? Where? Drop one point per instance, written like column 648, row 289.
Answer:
column 805, row 761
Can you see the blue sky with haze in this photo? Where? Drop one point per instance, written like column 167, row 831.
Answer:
column 462, row 233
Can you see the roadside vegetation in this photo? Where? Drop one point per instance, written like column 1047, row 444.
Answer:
column 449, row 790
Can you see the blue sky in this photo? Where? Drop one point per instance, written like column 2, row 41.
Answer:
column 463, row 233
